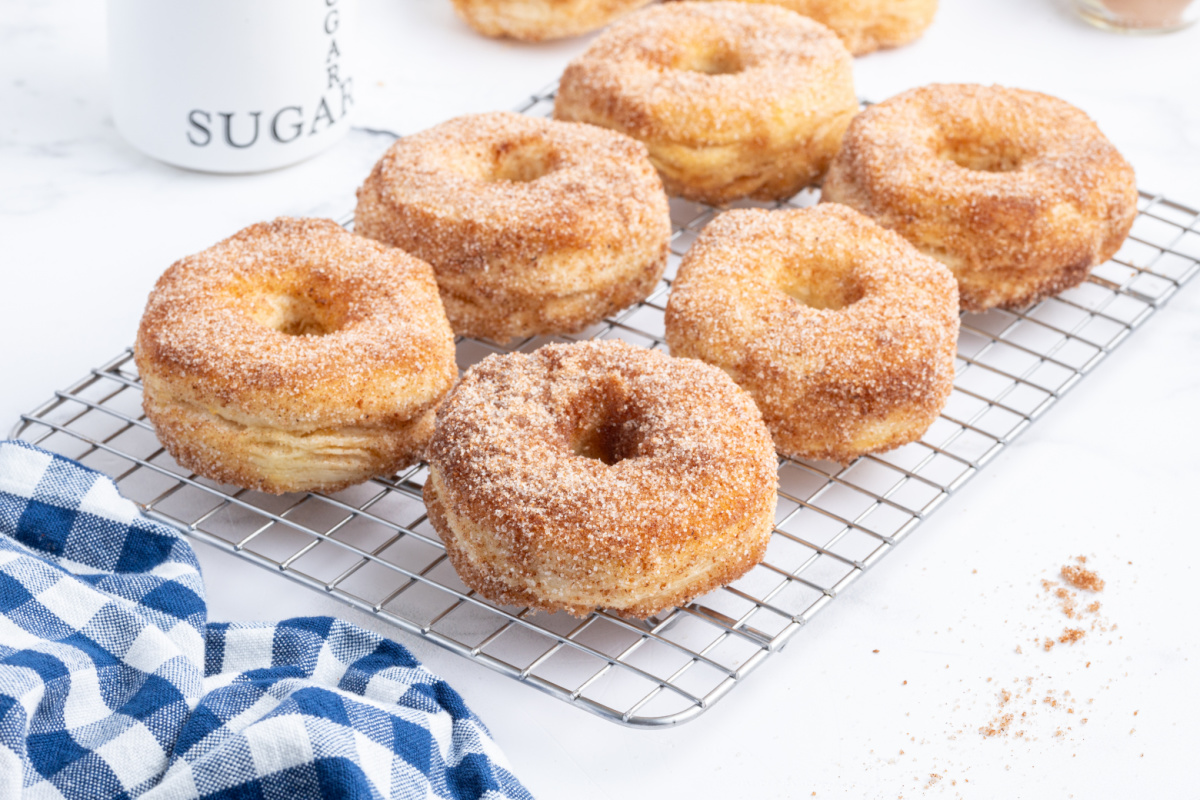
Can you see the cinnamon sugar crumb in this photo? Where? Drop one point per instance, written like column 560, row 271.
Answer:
column 1068, row 601
column 997, row 727
column 1082, row 578
column 1071, row 636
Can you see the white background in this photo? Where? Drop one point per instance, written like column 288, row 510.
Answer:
column 87, row 224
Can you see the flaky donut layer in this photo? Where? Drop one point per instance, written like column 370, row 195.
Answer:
column 600, row 475
column 537, row 20
column 1019, row 193
column 865, row 26
column 733, row 100
column 276, row 460
column 532, row 226
column 294, row 356
column 843, row 333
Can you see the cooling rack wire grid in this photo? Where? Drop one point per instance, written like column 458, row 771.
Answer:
column 372, row 547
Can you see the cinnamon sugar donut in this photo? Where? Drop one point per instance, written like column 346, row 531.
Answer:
column 733, row 100
column 532, row 226
column 294, row 356
column 865, row 26
column 844, row 334
column 1019, row 193
column 600, row 475
column 537, row 20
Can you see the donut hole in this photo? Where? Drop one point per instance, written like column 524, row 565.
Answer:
column 521, row 164
column 600, row 428
column 721, row 64
column 294, row 315
column 828, row 286
column 978, row 157
column 713, row 59
column 600, row 442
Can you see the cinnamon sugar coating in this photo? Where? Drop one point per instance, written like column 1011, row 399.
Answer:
column 600, row 475
column 843, row 333
column 538, row 20
column 1019, row 193
column 532, row 226
column 732, row 99
column 865, row 26
column 295, row 356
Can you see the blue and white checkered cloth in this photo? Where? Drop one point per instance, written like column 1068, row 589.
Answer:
column 113, row 684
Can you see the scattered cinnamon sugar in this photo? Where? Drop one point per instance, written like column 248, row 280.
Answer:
column 998, row 726
column 1043, row 708
column 1068, row 601
column 1082, row 578
column 1071, row 636
column 1079, row 578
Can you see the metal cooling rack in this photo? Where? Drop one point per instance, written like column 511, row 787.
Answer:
column 371, row 546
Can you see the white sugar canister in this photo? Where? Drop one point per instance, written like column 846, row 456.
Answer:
column 232, row 85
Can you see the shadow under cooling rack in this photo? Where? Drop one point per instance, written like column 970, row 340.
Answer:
column 371, row 546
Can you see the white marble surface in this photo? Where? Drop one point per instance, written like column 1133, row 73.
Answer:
column 87, row 224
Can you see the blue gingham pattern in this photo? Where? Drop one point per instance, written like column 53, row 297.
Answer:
column 113, row 684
